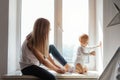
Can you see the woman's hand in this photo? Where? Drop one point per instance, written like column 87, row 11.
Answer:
column 60, row 70
column 67, row 67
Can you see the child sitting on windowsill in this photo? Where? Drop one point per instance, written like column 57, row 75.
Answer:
column 82, row 51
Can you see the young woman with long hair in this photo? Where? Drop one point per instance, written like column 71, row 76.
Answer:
column 35, row 51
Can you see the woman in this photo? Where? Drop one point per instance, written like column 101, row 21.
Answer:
column 35, row 51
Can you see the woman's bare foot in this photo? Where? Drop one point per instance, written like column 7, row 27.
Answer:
column 67, row 67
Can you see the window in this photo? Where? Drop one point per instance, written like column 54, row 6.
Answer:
column 75, row 22
column 71, row 15
column 33, row 9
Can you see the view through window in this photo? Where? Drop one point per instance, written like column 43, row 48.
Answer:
column 33, row 9
column 75, row 22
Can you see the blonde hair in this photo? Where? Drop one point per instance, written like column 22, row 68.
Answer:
column 83, row 38
column 40, row 35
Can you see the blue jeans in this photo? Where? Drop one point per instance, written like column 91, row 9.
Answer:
column 55, row 53
column 41, row 73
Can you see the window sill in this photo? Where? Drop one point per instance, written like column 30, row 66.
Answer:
column 90, row 75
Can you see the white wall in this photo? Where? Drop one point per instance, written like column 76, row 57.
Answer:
column 111, row 34
column 105, row 11
column 3, row 35
column 8, row 40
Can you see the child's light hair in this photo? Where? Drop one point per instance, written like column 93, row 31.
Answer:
column 83, row 38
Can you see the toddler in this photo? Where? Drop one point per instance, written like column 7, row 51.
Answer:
column 83, row 50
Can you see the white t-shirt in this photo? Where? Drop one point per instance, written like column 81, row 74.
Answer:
column 27, row 57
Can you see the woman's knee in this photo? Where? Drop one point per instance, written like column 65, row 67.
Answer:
column 51, row 46
column 52, row 49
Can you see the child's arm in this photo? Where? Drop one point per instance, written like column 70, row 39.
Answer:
column 85, row 51
column 81, row 50
column 95, row 46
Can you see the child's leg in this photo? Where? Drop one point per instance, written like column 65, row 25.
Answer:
column 79, row 68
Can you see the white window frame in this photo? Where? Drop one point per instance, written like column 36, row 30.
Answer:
column 58, row 24
column 57, row 28
column 14, row 35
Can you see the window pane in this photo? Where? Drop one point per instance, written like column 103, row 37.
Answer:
column 33, row 9
column 75, row 22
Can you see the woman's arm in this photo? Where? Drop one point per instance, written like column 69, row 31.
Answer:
column 45, row 61
column 52, row 61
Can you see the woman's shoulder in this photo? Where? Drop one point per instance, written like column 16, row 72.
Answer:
column 24, row 44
